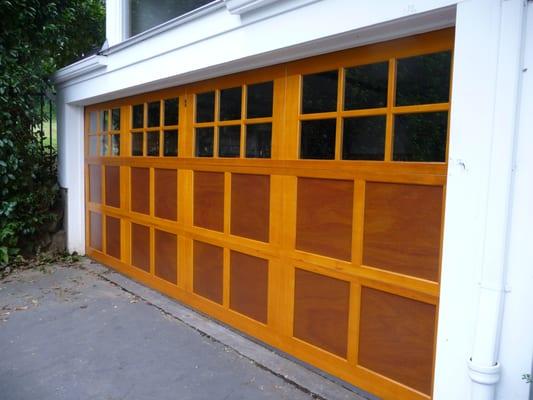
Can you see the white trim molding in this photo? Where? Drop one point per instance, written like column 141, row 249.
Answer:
column 79, row 68
column 243, row 6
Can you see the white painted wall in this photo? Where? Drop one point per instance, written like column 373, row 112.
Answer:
column 218, row 43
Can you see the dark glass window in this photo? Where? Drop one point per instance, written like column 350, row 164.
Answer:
column 152, row 144
column 154, row 114
column 205, row 107
column 115, row 145
column 92, row 121
column 258, row 140
column 171, row 112
column 366, row 86
column 420, row 137
column 115, row 119
column 423, row 79
column 317, row 139
column 138, row 116
column 103, row 145
column 204, row 142
column 137, row 144
column 364, row 138
column 170, row 145
column 259, row 100
column 230, row 104
column 104, row 120
column 320, row 92
column 229, row 138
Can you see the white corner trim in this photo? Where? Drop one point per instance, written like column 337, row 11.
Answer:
column 243, row 6
column 79, row 68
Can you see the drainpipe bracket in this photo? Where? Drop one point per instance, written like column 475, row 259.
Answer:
column 482, row 374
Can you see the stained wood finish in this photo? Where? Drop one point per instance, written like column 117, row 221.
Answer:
column 166, row 256
column 324, row 217
column 321, row 306
column 396, row 338
column 250, row 206
column 403, row 228
column 140, row 190
column 166, row 193
column 113, row 240
column 112, row 186
column 140, row 247
column 95, row 183
column 249, row 285
column 95, row 226
column 209, row 200
column 207, row 271
column 328, row 238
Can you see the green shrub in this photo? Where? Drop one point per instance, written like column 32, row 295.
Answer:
column 36, row 37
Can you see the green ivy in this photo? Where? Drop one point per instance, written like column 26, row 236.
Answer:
column 36, row 38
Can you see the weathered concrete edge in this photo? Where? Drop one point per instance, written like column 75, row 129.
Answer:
column 295, row 373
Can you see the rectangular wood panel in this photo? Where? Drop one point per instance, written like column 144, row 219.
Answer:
column 166, row 193
column 140, row 246
column 95, row 183
column 112, row 186
column 140, row 190
column 207, row 271
column 209, row 200
column 112, row 229
column 166, row 256
column 95, row 229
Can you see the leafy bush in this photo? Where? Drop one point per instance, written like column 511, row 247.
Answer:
column 36, row 37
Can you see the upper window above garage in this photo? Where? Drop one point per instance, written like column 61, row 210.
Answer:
column 145, row 14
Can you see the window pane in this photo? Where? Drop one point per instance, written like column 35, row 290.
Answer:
column 420, row 137
column 115, row 119
column 152, row 144
column 320, row 92
column 204, row 142
column 259, row 102
column 138, row 116
column 364, row 138
column 229, row 141
column 115, row 145
column 230, row 104
column 258, row 140
column 92, row 122
column 423, row 79
column 318, row 139
column 93, row 140
column 205, row 107
column 137, row 144
column 171, row 112
column 145, row 14
column 154, row 113
column 104, row 120
column 103, row 145
column 366, row 86
column 170, row 148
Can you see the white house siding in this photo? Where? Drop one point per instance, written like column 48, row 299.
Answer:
column 480, row 197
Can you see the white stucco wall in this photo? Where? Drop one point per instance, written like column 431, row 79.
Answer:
column 486, row 198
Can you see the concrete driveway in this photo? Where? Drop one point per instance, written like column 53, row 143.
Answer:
column 84, row 332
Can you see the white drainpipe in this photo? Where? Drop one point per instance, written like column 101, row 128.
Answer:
column 484, row 369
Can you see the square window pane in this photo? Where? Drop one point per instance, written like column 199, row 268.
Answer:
column 170, row 145
column 92, row 122
column 137, row 144
column 103, row 145
column 363, row 138
column 320, row 92
column 205, row 107
column 104, row 120
column 229, row 141
column 259, row 100
column 115, row 145
column 423, row 79
column 258, row 140
column 171, row 111
column 230, row 104
column 93, row 140
column 138, row 116
column 317, row 139
column 366, row 86
column 115, row 119
column 204, row 142
column 152, row 144
column 420, row 137
column 154, row 113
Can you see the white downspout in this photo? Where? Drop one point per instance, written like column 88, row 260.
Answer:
column 484, row 369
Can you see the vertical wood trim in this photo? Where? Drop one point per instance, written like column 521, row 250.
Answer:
column 391, row 96
column 227, row 203
column 339, row 121
column 292, row 125
column 152, row 191
column 278, row 118
column 353, row 322
column 216, row 128
column 152, row 250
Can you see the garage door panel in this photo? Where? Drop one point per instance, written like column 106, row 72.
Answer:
column 95, row 184
column 140, row 246
column 112, row 186
column 166, row 193
column 166, row 256
column 207, row 270
column 95, row 231
column 140, row 190
column 113, row 239
column 209, row 200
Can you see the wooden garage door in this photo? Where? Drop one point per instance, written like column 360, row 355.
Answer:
column 300, row 203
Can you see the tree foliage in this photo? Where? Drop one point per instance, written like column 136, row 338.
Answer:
column 36, row 38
